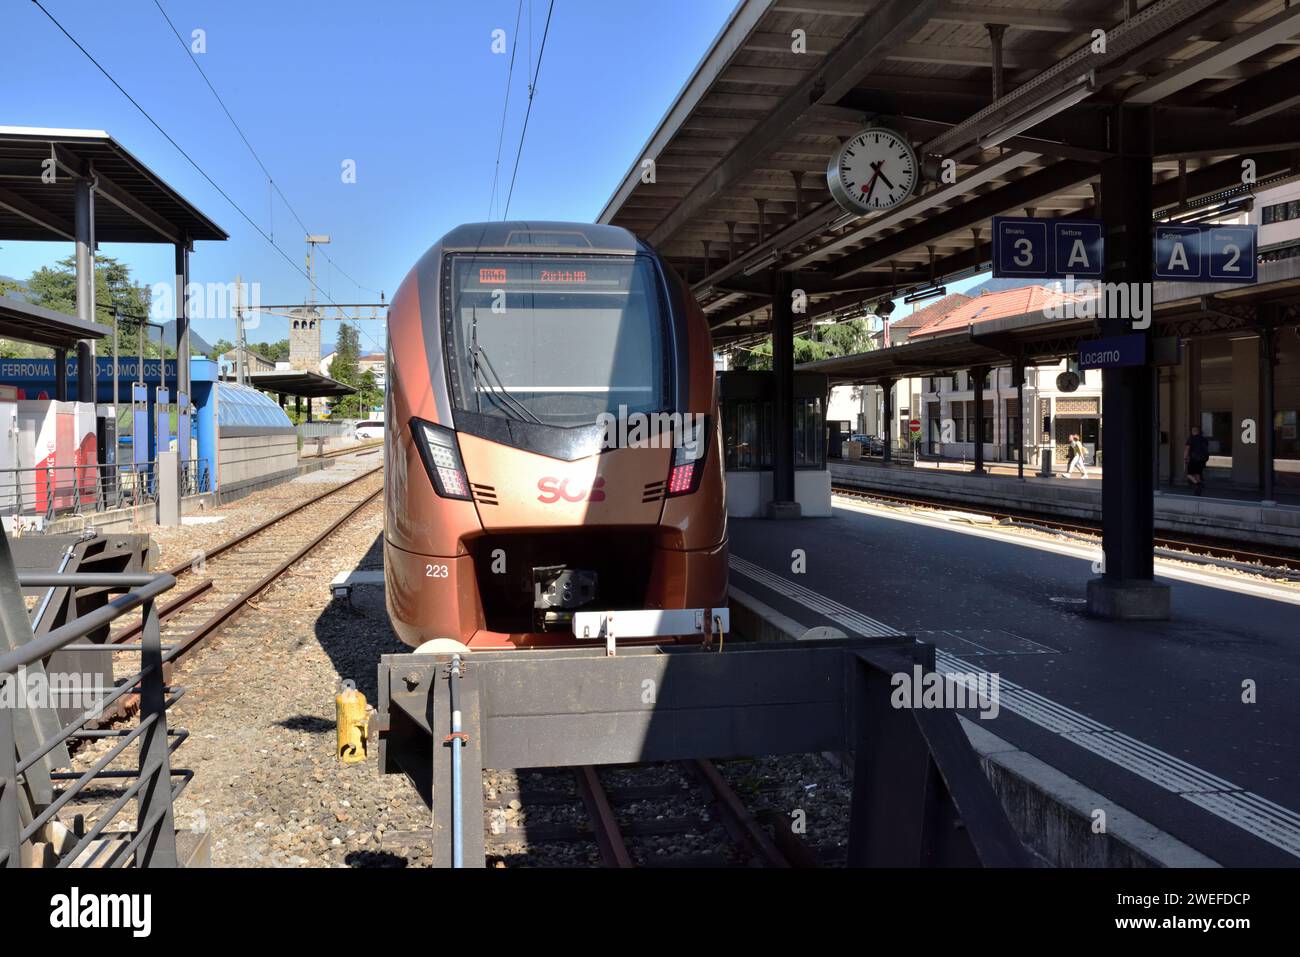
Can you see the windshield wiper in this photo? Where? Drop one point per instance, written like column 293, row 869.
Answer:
column 480, row 361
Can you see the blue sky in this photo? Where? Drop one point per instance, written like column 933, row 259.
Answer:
column 409, row 89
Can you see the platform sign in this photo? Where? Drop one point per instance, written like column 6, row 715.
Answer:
column 1178, row 254
column 1206, row 253
column 1230, row 253
column 1025, row 248
column 1078, row 248
column 139, row 424
column 1114, row 352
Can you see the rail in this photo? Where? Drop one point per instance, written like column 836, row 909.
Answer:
column 152, row 843
column 51, row 490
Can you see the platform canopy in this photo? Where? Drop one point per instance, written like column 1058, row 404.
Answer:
column 133, row 205
column 305, row 384
column 1181, row 310
column 23, row 322
column 1020, row 95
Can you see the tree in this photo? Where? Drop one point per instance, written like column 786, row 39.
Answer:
column 346, row 368
column 274, row 351
column 845, row 338
column 220, row 348
column 56, row 288
column 369, row 395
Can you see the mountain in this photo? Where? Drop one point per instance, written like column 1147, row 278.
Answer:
column 197, row 342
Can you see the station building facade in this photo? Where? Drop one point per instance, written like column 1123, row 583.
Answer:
column 1215, row 383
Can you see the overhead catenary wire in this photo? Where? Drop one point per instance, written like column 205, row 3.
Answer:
column 269, row 178
column 532, row 91
column 501, row 136
column 180, row 149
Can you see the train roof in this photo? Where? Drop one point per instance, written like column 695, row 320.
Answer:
column 520, row 236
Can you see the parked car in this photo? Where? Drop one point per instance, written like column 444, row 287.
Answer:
column 871, row 444
column 373, row 429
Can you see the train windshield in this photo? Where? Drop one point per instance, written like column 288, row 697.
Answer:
column 557, row 340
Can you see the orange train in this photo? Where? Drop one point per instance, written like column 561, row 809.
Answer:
column 552, row 441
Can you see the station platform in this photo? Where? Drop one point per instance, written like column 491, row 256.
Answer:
column 1148, row 714
column 1220, row 513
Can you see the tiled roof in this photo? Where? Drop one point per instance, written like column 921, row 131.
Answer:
column 993, row 305
column 928, row 314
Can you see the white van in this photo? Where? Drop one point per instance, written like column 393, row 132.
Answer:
column 369, row 430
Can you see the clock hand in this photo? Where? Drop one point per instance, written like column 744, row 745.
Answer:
column 871, row 186
column 881, row 174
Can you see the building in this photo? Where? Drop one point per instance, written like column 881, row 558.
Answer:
column 1277, row 214
column 228, row 363
column 1213, row 372
column 864, row 405
column 304, row 339
column 375, row 362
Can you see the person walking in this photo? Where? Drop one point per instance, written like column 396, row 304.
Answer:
column 1078, row 454
column 1195, row 454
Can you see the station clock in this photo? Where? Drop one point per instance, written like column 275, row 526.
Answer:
column 874, row 170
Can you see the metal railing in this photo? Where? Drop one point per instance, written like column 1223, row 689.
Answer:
column 53, row 490
column 334, row 428
column 152, row 840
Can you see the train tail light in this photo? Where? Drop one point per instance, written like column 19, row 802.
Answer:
column 441, row 456
column 688, row 457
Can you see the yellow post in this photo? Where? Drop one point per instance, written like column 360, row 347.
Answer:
column 351, row 706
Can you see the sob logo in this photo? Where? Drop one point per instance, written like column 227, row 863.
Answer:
column 553, row 489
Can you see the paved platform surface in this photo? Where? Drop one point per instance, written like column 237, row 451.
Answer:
column 1216, row 487
column 1148, row 714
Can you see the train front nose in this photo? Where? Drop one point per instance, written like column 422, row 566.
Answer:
column 561, row 536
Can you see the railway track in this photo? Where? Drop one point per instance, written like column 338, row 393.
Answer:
column 368, row 448
column 682, row 814
column 1204, row 551
column 215, row 587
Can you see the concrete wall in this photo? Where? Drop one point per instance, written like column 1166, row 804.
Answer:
column 247, row 458
column 749, row 492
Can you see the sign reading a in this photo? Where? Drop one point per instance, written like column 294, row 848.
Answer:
column 1114, row 352
column 1206, row 253
column 1025, row 248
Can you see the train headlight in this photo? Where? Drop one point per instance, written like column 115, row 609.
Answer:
column 689, row 449
column 441, row 458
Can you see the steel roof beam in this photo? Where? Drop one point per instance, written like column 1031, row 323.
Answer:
column 1262, row 96
column 1129, row 42
column 1225, row 55
column 893, row 22
column 1003, row 167
column 1014, row 195
column 1211, row 134
column 119, row 197
column 35, row 214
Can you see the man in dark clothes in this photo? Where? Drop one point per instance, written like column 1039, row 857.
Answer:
column 1195, row 454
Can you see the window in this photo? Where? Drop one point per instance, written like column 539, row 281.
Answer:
column 1217, row 428
column 1281, row 212
column 747, row 434
column 557, row 340
column 1286, row 443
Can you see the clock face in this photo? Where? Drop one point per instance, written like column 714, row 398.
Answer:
column 876, row 169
